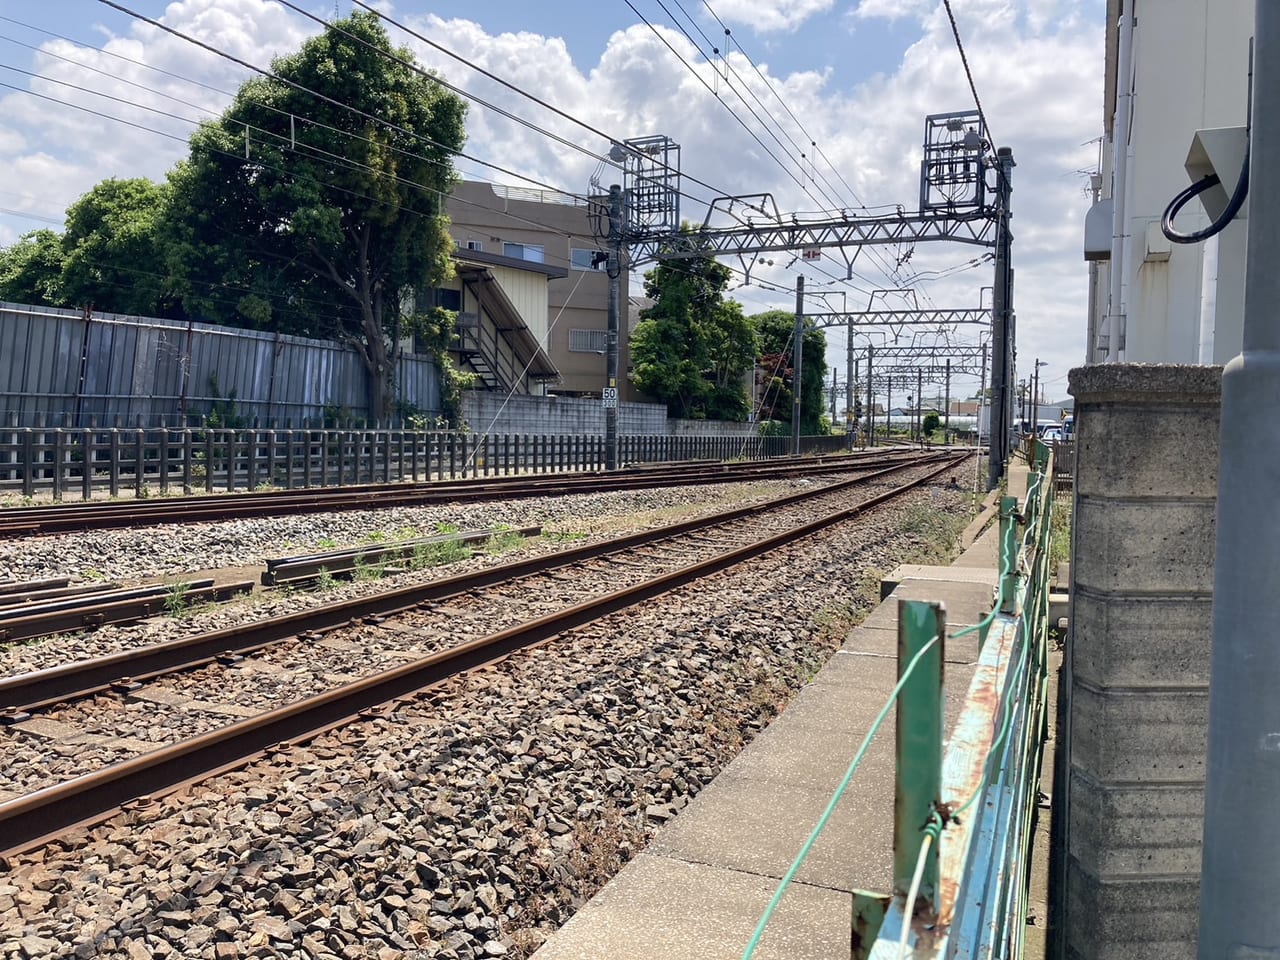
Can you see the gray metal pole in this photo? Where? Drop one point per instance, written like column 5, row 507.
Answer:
column 919, row 411
column 614, row 267
column 946, row 402
column 982, row 389
column 1238, row 915
column 833, row 396
column 851, row 389
column 854, row 426
column 871, row 400
column 1000, row 334
column 796, row 381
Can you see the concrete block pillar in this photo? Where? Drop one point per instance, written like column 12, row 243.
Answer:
column 1130, row 794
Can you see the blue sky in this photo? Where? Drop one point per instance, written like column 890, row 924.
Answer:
column 859, row 75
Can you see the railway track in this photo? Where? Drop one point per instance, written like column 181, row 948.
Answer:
column 423, row 643
column 34, row 521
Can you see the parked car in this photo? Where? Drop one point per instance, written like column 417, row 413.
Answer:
column 1051, row 435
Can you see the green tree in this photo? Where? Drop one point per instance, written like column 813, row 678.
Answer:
column 112, row 247
column 931, row 423
column 31, row 269
column 775, row 329
column 692, row 348
column 295, row 214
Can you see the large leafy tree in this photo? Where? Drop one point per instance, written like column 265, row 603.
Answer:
column 31, row 269
column 692, row 348
column 776, row 330
column 297, row 214
column 112, row 247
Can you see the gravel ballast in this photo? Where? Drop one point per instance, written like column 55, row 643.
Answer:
column 473, row 819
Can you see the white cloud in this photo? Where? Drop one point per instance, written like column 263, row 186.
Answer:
column 1037, row 65
column 891, row 9
column 765, row 16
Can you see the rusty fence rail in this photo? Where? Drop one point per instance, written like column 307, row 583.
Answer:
column 965, row 808
column 81, row 461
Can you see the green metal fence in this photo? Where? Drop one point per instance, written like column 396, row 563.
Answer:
column 964, row 806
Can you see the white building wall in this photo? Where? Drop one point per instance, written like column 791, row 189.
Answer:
column 1190, row 72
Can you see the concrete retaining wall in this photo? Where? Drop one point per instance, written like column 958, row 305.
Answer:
column 1130, row 794
column 496, row 413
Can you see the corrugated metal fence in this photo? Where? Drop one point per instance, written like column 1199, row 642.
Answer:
column 64, row 368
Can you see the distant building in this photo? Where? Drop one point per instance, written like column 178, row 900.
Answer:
column 551, row 234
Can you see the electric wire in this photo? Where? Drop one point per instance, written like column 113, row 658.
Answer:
column 964, row 60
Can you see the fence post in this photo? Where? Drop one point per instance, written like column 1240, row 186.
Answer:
column 58, row 462
column 920, row 731
column 86, row 472
column 139, row 461
column 1008, row 554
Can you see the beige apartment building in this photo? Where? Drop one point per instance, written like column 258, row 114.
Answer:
column 531, row 292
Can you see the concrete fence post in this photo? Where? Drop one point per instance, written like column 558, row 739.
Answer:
column 1129, row 795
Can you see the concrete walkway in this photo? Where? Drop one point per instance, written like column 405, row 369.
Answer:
column 698, row 890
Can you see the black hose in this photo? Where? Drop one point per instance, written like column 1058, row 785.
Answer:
column 1200, row 186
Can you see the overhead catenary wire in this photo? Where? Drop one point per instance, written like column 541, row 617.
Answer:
column 355, row 164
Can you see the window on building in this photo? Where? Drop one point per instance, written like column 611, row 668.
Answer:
column 469, row 245
column 585, row 259
column 588, row 341
column 523, row 251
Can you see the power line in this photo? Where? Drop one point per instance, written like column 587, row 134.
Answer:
column 964, row 59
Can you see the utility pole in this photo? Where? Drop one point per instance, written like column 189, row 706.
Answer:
column 798, row 353
column 888, row 409
column 919, row 413
column 1001, row 333
column 851, row 391
column 1035, row 399
column 871, row 406
column 833, row 396
column 1241, row 833
column 982, row 397
column 946, row 402
column 854, row 426
column 614, row 269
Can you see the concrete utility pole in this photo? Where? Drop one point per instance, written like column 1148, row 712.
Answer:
column 1001, row 332
column 614, row 269
column 919, row 411
column 871, row 403
column 946, row 401
column 1238, row 915
column 798, row 352
column 833, row 396
column 851, row 387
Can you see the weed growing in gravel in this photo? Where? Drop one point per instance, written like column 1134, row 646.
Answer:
column 503, row 541
column 92, row 574
column 375, row 536
column 427, row 555
column 837, row 619
column 176, row 600
column 936, row 532
column 364, row 571
column 326, row 543
column 563, row 536
column 444, row 527
column 325, row 580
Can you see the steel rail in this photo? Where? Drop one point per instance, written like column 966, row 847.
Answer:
column 45, row 814
column 28, row 521
column 30, row 691
column 64, row 619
